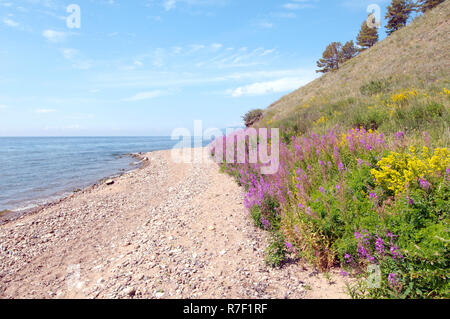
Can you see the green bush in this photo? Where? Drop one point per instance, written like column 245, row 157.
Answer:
column 375, row 87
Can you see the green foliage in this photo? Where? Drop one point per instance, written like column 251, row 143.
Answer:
column 349, row 51
column 367, row 36
column 255, row 213
column 425, row 5
column 397, row 15
column 276, row 251
column 331, row 58
column 375, row 87
column 369, row 118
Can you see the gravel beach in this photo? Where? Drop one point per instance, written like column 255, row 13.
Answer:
column 166, row 230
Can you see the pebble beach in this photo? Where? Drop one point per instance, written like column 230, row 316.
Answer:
column 165, row 230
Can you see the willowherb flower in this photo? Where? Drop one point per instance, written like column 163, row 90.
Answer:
column 424, row 184
column 321, row 189
column 410, row 200
column 343, row 273
column 348, row 258
column 265, row 222
column 399, row 135
column 379, row 246
column 395, row 252
column 288, row 245
column 392, row 279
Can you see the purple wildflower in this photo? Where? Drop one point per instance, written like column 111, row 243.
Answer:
column 399, row 135
column 321, row 189
column 379, row 245
column 341, row 166
column 288, row 245
column 410, row 200
column 424, row 184
column 392, row 279
column 395, row 252
column 348, row 258
column 265, row 222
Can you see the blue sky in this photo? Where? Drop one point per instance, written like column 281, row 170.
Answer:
column 145, row 67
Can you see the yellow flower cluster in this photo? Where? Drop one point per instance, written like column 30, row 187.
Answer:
column 323, row 119
column 359, row 134
column 398, row 170
column 403, row 96
column 446, row 92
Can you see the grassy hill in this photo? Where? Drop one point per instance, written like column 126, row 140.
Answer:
column 417, row 56
column 363, row 179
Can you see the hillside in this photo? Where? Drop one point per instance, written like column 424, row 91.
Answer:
column 363, row 180
column 415, row 56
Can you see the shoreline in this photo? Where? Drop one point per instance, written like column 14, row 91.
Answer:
column 13, row 215
column 166, row 230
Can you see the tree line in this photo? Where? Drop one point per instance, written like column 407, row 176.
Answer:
column 397, row 16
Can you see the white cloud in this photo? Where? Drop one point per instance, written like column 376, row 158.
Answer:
column 69, row 54
column 169, row 4
column 11, row 23
column 262, row 88
column 3, row 106
column 54, row 36
column 45, row 111
column 145, row 96
column 265, row 25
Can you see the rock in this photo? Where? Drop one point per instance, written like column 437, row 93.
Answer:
column 109, row 182
column 130, row 291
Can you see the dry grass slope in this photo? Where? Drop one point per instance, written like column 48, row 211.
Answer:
column 416, row 55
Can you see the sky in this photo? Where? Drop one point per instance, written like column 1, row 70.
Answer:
column 146, row 67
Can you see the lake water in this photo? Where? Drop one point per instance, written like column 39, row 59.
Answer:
column 35, row 170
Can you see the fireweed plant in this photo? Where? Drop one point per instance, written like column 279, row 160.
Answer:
column 350, row 198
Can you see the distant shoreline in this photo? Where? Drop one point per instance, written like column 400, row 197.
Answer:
column 12, row 215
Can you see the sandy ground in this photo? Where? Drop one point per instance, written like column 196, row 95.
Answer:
column 167, row 230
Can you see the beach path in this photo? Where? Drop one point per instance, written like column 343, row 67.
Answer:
column 166, row 230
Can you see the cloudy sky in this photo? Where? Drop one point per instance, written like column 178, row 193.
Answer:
column 145, row 67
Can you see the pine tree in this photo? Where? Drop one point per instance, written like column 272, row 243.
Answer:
column 331, row 58
column 348, row 51
column 367, row 36
column 426, row 5
column 397, row 15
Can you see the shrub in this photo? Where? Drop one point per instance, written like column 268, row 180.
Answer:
column 375, row 87
column 251, row 117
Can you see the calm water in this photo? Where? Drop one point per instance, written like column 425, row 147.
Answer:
column 38, row 169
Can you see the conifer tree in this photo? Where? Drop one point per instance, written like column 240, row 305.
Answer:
column 397, row 15
column 331, row 58
column 348, row 51
column 367, row 36
column 426, row 5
